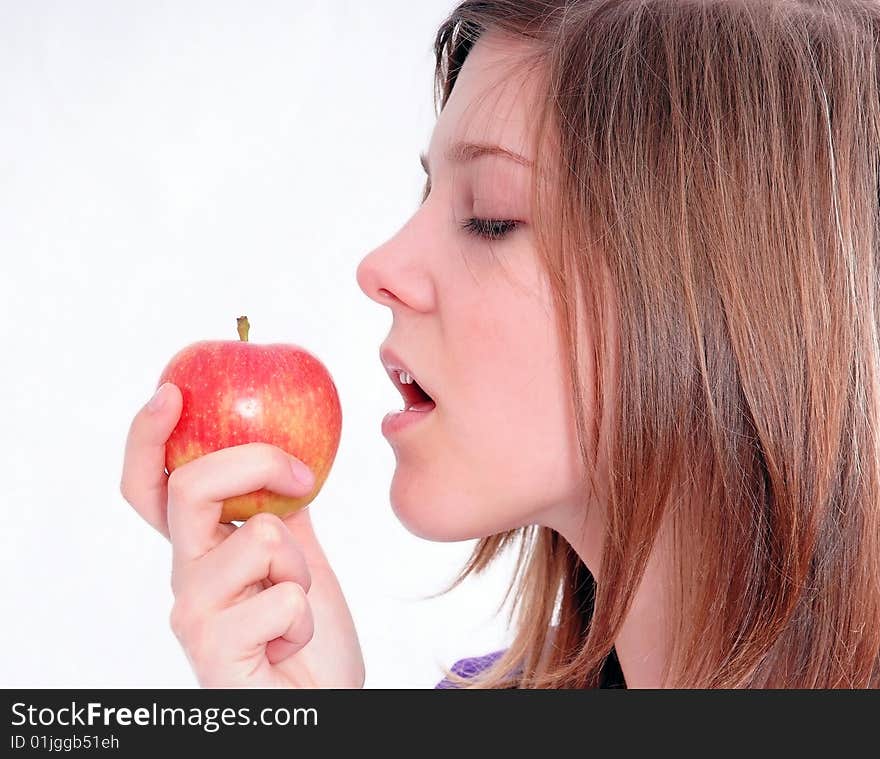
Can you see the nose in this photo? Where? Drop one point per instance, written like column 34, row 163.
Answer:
column 368, row 279
column 394, row 275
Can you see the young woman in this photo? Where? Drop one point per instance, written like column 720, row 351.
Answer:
column 641, row 291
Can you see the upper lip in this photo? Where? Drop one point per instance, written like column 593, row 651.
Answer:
column 394, row 365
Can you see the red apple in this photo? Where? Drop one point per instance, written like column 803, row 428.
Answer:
column 236, row 392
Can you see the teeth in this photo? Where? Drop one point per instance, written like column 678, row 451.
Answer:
column 405, row 378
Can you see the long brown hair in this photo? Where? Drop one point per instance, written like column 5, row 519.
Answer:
column 718, row 160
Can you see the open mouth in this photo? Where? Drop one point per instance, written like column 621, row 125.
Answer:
column 415, row 398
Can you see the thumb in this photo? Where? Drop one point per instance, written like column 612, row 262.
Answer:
column 144, row 483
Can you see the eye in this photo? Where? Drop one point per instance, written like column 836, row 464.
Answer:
column 489, row 229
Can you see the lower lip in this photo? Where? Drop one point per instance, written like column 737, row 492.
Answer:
column 399, row 420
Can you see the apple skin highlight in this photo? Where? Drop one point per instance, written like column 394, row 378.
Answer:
column 237, row 392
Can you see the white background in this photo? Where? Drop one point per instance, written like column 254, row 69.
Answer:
column 164, row 168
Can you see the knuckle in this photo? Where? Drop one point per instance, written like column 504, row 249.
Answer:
column 204, row 642
column 180, row 621
column 177, row 485
column 261, row 448
column 293, row 597
column 267, row 529
column 198, row 637
column 272, row 462
column 271, row 459
column 176, row 579
column 260, row 452
column 305, row 582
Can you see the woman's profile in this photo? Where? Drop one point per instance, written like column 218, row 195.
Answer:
column 637, row 313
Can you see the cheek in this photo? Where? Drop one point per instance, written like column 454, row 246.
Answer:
column 488, row 475
column 526, row 433
column 530, row 446
column 502, row 452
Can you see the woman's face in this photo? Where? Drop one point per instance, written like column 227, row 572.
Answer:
column 472, row 320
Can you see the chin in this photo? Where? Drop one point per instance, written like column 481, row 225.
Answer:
column 426, row 516
column 443, row 517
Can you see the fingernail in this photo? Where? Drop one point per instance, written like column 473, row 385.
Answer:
column 302, row 473
column 158, row 400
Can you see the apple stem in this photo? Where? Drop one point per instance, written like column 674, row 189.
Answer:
column 243, row 328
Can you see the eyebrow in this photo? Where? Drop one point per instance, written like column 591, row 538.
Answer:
column 464, row 152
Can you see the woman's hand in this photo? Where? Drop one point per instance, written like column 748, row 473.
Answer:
column 257, row 605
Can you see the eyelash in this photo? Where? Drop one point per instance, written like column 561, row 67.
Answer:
column 489, row 229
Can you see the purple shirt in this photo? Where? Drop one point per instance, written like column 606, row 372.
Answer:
column 470, row 667
column 611, row 675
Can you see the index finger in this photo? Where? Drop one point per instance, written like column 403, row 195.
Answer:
column 197, row 489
